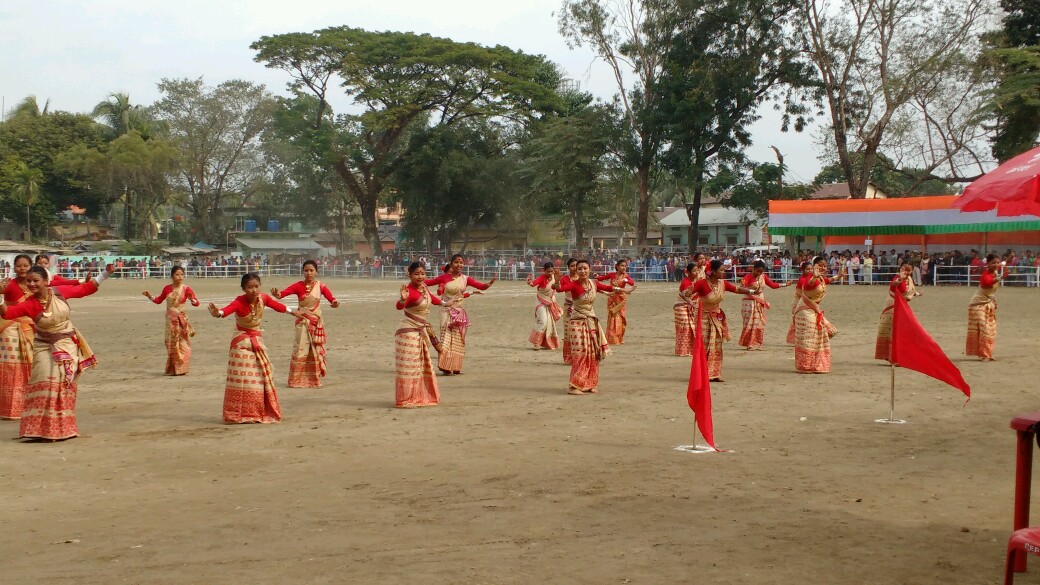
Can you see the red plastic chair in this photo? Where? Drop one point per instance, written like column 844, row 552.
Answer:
column 1026, row 540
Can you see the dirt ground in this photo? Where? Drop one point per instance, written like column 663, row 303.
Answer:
column 512, row 481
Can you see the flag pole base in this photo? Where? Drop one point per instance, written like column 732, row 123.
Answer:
column 695, row 449
column 891, row 421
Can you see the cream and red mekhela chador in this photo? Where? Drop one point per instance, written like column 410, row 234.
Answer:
column 883, row 345
column 588, row 340
column 753, row 310
column 454, row 320
column 812, row 331
column 568, row 309
column 415, row 382
column 685, row 311
column 713, row 321
column 307, row 366
column 249, row 392
column 60, row 354
column 617, row 303
column 982, row 318
column 178, row 330
column 16, row 352
column 543, row 334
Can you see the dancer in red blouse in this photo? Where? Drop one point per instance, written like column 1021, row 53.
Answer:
column 55, row 279
column 60, row 354
column 617, row 303
column 753, row 308
column 454, row 319
column 713, row 319
column 902, row 284
column 568, row 305
column 178, row 330
column 415, row 383
column 249, row 393
column 547, row 312
column 685, row 307
column 588, row 340
column 16, row 339
column 812, row 331
column 982, row 312
column 307, row 366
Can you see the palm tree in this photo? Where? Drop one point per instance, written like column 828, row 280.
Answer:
column 118, row 116
column 27, row 188
column 28, row 108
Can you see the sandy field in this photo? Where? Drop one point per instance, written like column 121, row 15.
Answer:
column 512, row 481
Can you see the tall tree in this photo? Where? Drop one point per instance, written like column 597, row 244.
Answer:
column 1014, row 55
column 726, row 58
column 27, row 181
column 880, row 63
column 29, row 107
column 217, row 130
column 398, row 80
column 119, row 116
column 629, row 35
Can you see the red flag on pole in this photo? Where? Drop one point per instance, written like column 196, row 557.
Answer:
column 698, row 393
column 914, row 349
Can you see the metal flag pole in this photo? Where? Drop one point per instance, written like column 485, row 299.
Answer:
column 892, row 403
column 695, row 448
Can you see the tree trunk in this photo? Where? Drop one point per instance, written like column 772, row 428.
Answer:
column 579, row 229
column 694, row 214
column 28, row 225
column 643, row 206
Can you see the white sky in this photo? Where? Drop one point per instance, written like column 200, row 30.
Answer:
column 77, row 52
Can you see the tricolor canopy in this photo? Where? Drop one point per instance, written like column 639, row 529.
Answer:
column 873, row 217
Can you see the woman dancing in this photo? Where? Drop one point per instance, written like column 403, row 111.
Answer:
column 543, row 335
column 568, row 306
column 753, row 308
column 588, row 340
column 415, row 383
column 307, row 366
column 60, row 354
column 982, row 312
column 178, row 330
column 902, row 284
column 617, row 303
column 44, row 261
column 685, row 307
column 16, row 339
column 812, row 331
column 249, row 392
column 710, row 292
column 454, row 320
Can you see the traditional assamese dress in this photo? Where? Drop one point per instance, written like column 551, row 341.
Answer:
column 16, row 352
column 587, row 336
column 568, row 308
column 249, row 393
column 713, row 321
column 883, row 345
column 60, row 354
column 415, row 382
column 982, row 317
column 753, row 310
column 685, row 311
column 178, row 330
column 307, row 365
column 616, row 306
column 812, row 331
column 546, row 313
column 454, row 320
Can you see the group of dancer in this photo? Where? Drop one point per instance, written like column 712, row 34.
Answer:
column 42, row 353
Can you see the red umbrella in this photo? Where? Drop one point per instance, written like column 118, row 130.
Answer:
column 1013, row 188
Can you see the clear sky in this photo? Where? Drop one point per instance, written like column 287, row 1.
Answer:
column 76, row 52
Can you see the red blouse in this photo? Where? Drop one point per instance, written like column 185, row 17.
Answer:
column 300, row 290
column 897, row 286
column 241, row 307
column 59, row 280
column 189, row 295
column 576, row 289
column 611, row 275
column 542, row 281
column 13, row 293
column 685, row 284
column 33, row 308
column 987, row 279
column 702, row 287
column 415, row 297
column 749, row 280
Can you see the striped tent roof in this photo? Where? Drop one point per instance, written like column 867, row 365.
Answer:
column 910, row 215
